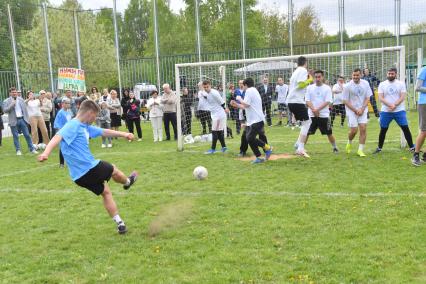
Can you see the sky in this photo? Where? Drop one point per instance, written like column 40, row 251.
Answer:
column 360, row 15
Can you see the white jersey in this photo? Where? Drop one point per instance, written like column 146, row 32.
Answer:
column 295, row 94
column 392, row 91
column 215, row 102
column 202, row 101
column 282, row 93
column 318, row 95
column 254, row 113
column 338, row 94
column 356, row 94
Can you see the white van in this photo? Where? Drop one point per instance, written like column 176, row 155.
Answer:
column 143, row 91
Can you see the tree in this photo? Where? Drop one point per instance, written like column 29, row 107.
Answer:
column 97, row 48
column 372, row 33
column 416, row 28
column 307, row 27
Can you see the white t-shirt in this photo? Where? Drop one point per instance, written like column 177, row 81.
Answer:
column 392, row 91
column 282, row 93
column 215, row 102
column 18, row 109
column 33, row 107
column 338, row 94
column 318, row 95
column 254, row 113
column 296, row 95
column 356, row 94
column 202, row 101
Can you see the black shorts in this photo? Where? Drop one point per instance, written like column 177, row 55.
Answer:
column 323, row 123
column 282, row 107
column 300, row 111
column 339, row 109
column 95, row 178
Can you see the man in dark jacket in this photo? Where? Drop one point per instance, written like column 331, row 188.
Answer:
column 266, row 92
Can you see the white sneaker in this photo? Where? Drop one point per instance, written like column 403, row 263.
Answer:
column 18, row 153
column 109, row 146
column 302, row 153
column 34, row 152
column 35, row 146
column 139, row 140
column 103, row 146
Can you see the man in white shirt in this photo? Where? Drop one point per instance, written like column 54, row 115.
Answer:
column 281, row 90
column 203, row 113
column 338, row 105
column 392, row 93
column 356, row 95
column 252, row 104
column 300, row 79
column 216, row 105
column 318, row 99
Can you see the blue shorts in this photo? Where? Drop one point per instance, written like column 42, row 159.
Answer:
column 386, row 118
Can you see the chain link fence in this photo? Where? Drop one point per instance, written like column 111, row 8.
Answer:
column 45, row 38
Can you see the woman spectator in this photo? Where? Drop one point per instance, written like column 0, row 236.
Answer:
column 46, row 109
column 115, row 110
column 134, row 115
column 124, row 101
column 94, row 94
column 104, row 97
column 156, row 115
column 36, row 119
column 104, row 121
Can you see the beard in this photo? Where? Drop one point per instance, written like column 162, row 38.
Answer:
column 391, row 79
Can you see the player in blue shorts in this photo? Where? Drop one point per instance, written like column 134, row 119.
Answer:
column 84, row 169
column 392, row 94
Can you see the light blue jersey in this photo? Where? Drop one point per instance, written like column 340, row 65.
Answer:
column 422, row 76
column 75, row 147
column 62, row 118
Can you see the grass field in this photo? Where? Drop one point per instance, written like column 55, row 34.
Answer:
column 328, row 219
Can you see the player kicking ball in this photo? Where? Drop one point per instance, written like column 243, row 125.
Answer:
column 392, row 93
column 255, row 125
column 318, row 98
column 218, row 112
column 356, row 95
column 84, row 170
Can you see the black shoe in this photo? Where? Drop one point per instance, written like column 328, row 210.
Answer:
column 133, row 177
column 377, row 151
column 121, row 228
column 335, row 151
column 415, row 161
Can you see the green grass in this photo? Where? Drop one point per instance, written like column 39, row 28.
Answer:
column 329, row 219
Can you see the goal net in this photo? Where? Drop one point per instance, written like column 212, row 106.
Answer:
column 194, row 118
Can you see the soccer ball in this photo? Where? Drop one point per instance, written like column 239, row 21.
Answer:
column 200, row 173
column 197, row 139
column 188, row 139
column 41, row 146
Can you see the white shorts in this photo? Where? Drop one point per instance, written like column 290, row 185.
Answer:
column 218, row 124
column 354, row 120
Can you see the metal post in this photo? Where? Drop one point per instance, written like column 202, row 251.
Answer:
column 15, row 54
column 341, row 4
column 419, row 67
column 178, row 110
column 222, row 71
column 117, row 47
column 77, row 39
column 243, row 33
column 49, row 54
column 290, row 25
column 157, row 47
column 198, row 31
column 397, row 15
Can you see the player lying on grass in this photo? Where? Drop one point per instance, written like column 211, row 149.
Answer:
column 252, row 104
column 84, row 170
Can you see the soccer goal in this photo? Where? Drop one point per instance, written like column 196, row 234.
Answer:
column 193, row 117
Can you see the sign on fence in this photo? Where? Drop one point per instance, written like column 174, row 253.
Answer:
column 71, row 79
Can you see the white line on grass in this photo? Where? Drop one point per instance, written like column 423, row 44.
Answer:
column 33, row 169
column 227, row 193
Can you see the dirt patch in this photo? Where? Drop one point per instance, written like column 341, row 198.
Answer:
column 272, row 158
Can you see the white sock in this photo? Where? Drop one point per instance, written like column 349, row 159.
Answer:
column 361, row 147
column 334, row 145
column 117, row 219
column 127, row 182
column 301, row 146
column 349, row 141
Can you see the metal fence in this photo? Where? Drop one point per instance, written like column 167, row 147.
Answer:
column 36, row 40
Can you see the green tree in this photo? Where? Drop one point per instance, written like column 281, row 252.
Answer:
column 416, row 28
column 307, row 26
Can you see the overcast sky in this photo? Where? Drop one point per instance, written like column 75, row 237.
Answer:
column 360, row 15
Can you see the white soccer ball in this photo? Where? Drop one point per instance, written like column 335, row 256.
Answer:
column 197, row 139
column 200, row 173
column 188, row 139
column 41, row 146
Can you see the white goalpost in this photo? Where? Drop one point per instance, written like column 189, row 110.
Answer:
column 194, row 124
